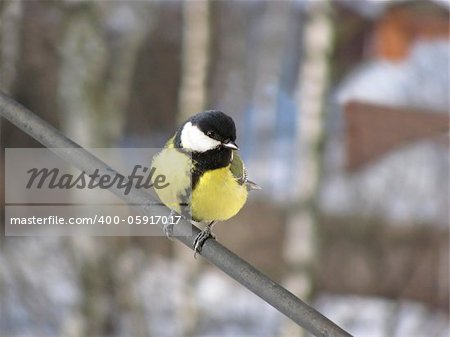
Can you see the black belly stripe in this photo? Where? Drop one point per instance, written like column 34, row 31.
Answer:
column 210, row 160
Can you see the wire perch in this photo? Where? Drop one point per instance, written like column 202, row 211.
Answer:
column 240, row 270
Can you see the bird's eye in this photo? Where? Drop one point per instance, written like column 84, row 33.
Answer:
column 210, row 133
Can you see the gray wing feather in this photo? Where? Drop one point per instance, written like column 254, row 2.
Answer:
column 240, row 173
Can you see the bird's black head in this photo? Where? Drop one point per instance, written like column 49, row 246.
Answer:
column 208, row 130
column 216, row 125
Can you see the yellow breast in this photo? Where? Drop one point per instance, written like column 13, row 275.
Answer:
column 217, row 196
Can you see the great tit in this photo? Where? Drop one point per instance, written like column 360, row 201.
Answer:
column 205, row 171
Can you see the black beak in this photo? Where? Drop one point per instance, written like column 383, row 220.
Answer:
column 230, row 145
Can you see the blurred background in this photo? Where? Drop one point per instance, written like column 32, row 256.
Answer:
column 342, row 116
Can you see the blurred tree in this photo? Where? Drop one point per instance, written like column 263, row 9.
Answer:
column 195, row 58
column 30, row 33
column 37, row 27
column 152, row 109
column 302, row 231
column 235, row 38
column 192, row 99
column 10, row 17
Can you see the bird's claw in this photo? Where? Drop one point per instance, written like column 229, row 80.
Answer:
column 200, row 239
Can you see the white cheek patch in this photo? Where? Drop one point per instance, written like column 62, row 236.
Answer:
column 194, row 139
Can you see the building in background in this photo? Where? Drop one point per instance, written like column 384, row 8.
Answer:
column 387, row 160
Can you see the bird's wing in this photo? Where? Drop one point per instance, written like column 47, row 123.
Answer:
column 176, row 167
column 239, row 171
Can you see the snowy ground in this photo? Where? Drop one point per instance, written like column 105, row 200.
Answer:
column 40, row 296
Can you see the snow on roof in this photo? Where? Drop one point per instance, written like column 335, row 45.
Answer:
column 421, row 81
column 374, row 8
column 444, row 3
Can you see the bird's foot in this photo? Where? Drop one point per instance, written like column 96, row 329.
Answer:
column 201, row 237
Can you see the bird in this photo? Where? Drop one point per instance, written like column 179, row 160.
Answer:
column 205, row 172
